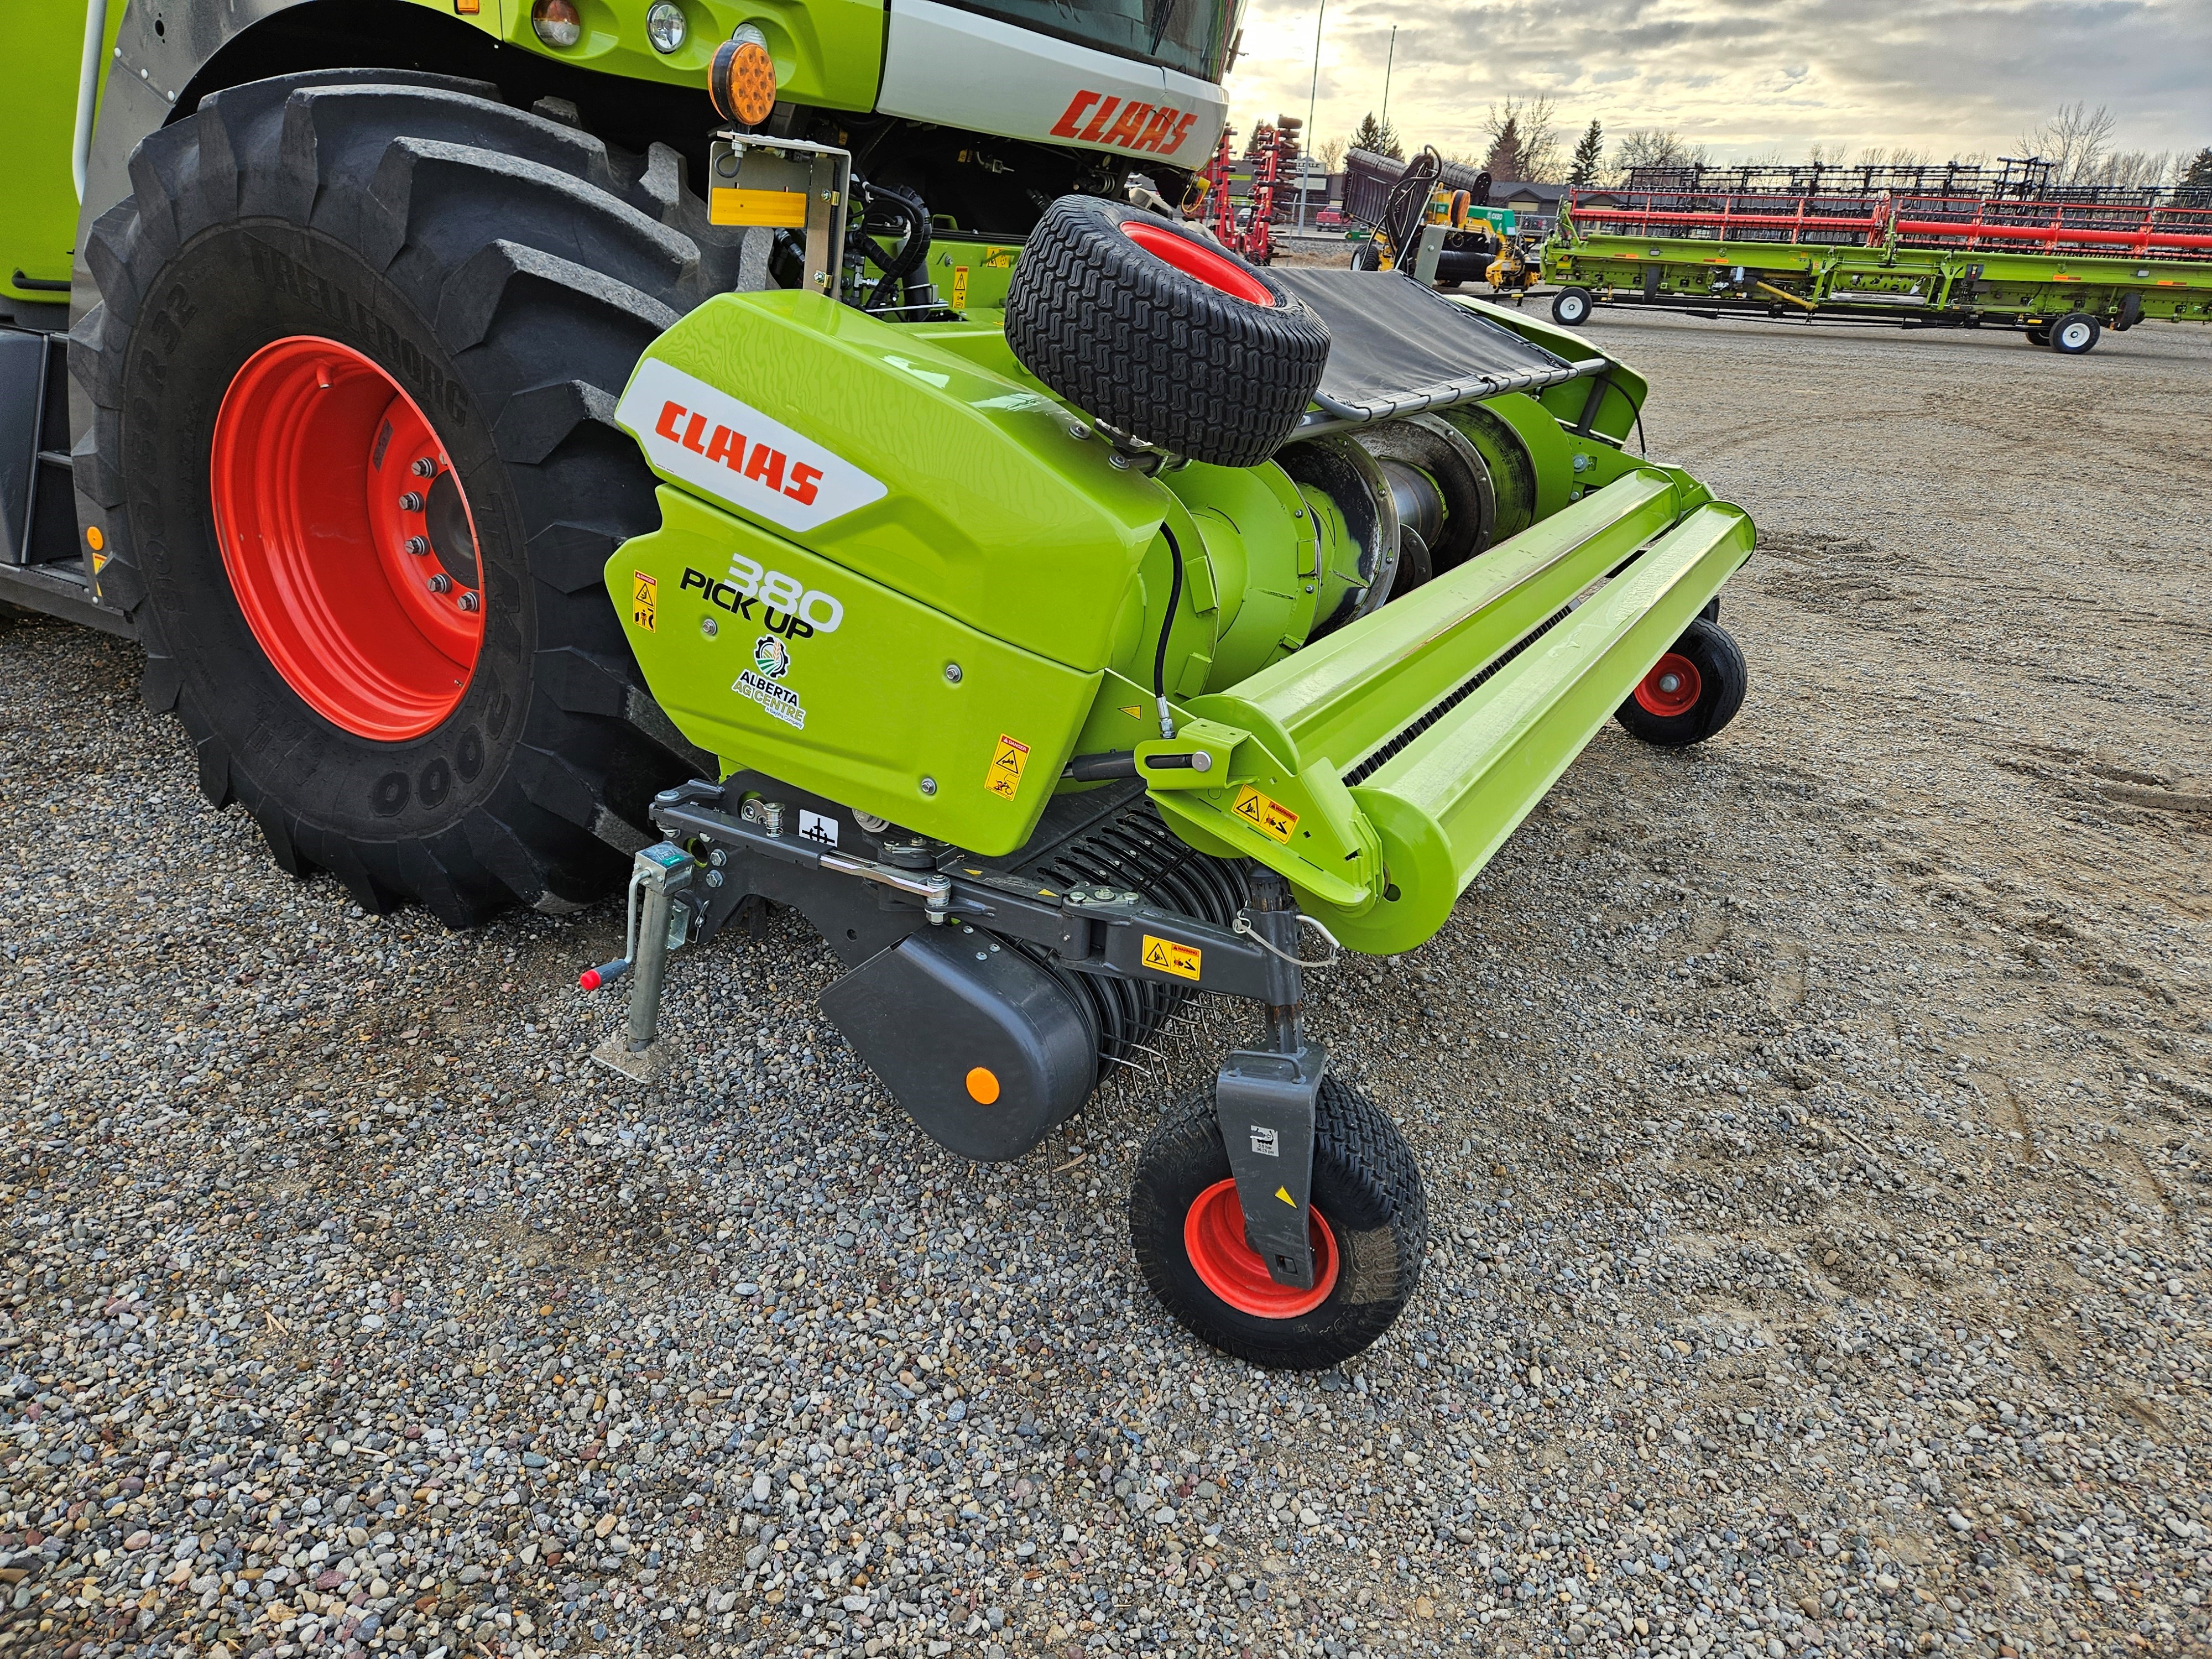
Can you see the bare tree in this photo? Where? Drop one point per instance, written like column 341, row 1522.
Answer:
column 1897, row 155
column 1329, row 155
column 1524, row 144
column 1654, row 147
column 2076, row 141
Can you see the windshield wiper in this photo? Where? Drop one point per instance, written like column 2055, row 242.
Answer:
column 1160, row 28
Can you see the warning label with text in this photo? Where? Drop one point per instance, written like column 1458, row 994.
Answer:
column 1165, row 956
column 1269, row 816
column 1003, row 780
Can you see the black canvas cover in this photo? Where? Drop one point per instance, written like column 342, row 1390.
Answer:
column 1397, row 347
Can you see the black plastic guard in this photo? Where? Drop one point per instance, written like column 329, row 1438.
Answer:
column 948, row 1016
column 1395, row 344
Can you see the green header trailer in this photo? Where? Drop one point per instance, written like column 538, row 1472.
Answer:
column 2060, row 271
column 542, row 446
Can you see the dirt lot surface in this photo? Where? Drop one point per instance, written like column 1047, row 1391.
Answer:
column 1815, row 1126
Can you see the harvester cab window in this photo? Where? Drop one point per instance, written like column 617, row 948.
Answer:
column 1190, row 35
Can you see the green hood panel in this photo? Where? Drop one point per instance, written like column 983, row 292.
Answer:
column 955, row 485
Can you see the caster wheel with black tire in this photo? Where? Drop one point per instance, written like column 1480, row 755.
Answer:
column 1690, row 693
column 1161, row 333
column 1369, row 1231
column 1571, row 307
column 2074, row 333
column 2038, row 334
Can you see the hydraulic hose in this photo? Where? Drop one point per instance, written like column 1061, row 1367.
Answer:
column 1166, row 623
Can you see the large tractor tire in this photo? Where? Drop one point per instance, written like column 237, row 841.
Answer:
column 354, row 367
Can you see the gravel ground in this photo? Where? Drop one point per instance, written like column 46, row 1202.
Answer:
column 1815, row 1126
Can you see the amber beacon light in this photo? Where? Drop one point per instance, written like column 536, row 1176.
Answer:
column 742, row 81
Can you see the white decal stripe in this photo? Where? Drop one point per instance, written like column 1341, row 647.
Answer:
column 938, row 55
column 731, row 451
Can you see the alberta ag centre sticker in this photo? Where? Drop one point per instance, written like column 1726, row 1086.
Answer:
column 764, row 683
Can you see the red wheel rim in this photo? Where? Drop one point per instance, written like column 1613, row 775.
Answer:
column 347, row 538
column 1213, row 1236
column 1193, row 258
column 1673, row 687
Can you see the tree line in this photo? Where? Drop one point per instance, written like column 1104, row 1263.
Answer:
column 1524, row 143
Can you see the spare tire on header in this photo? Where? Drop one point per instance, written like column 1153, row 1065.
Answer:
column 1161, row 333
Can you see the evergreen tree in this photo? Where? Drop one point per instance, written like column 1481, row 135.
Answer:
column 1506, row 160
column 1589, row 158
column 2200, row 170
column 1378, row 137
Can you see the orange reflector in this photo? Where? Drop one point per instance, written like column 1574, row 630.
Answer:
column 557, row 22
column 742, row 81
column 784, row 209
column 94, row 538
column 467, row 8
column 983, row 1084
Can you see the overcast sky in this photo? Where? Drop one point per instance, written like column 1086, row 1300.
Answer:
column 1745, row 77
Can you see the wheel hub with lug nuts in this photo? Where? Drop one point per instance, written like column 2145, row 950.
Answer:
column 311, row 474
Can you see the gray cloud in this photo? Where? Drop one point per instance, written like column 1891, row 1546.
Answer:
column 1746, row 76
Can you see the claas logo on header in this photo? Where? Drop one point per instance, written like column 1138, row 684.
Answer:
column 769, row 467
column 1094, row 118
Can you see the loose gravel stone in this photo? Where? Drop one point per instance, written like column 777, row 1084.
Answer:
column 1812, row 1123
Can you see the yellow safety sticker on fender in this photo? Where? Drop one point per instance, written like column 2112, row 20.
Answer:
column 1283, row 1193
column 1270, row 818
column 1131, row 710
column 960, row 288
column 1164, row 956
column 1003, row 780
column 645, row 601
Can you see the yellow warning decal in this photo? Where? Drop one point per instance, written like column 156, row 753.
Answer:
column 1000, row 258
column 1269, row 816
column 960, row 288
column 1164, row 956
column 1283, row 1193
column 645, row 601
column 1003, row 780
column 1131, row 710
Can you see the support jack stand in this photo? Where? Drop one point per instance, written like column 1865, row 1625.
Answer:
column 662, row 878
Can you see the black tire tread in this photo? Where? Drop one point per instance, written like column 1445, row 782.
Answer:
column 1126, row 337
column 538, row 220
column 1721, row 666
column 1363, row 1172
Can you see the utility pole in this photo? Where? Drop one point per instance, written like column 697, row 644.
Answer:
column 1305, row 161
column 1387, row 62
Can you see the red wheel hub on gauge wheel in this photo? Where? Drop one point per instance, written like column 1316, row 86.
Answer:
column 347, row 538
column 1213, row 1234
column 1673, row 687
column 1193, row 258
